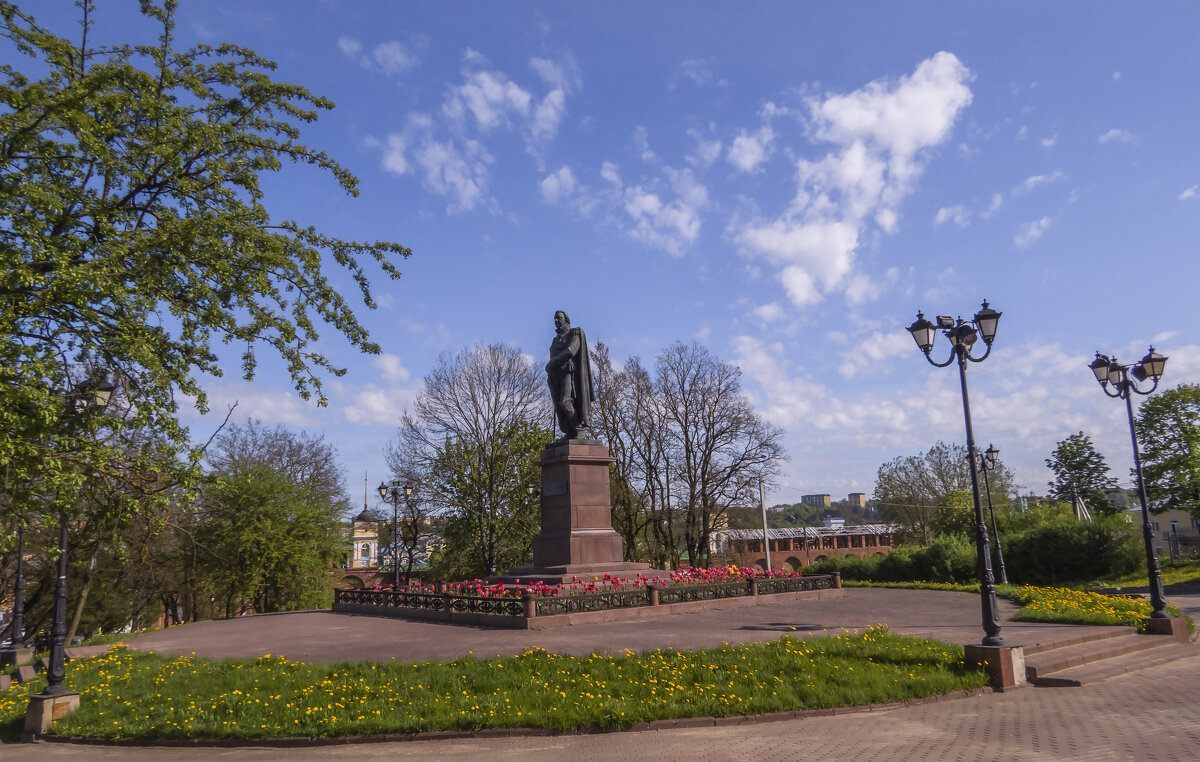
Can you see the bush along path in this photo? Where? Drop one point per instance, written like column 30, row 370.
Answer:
column 134, row 695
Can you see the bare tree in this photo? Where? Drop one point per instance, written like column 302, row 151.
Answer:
column 718, row 445
column 472, row 439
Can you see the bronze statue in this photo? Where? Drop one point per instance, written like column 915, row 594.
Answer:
column 569, row 373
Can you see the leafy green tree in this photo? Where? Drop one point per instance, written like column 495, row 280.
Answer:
column 471, row 443
column 136, row 240
column 1080, row 470
column 912, row 489
column 268, row 542
column 1168, row 429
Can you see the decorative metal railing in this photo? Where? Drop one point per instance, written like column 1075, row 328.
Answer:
column 514, row 606
column 573, row 604
column 684, row 593
column 772, row 585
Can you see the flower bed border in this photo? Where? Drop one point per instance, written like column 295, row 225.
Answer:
column 531, row 612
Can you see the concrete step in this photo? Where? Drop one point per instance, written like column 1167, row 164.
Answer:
column 1066, row 657
column 1098, row 671
column 1085, row 635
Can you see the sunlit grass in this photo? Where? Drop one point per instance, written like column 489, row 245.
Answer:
column 128, row 694
column 1057, row 605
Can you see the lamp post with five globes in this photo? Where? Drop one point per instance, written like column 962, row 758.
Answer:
column 962, row 336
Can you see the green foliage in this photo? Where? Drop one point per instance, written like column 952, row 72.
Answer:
column 1071, row 551
column 129, row 694
column 492, row 519
column 956, row 516
column 1061, row 550
column 913, row 489
column 1080, row 470
column 268, row 541
column 1168, row 429
column 135, row 240
column 946, row 559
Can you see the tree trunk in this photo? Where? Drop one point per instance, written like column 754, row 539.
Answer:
column 83, row 593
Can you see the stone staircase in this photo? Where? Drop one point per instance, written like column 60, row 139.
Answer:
column 1096, row 656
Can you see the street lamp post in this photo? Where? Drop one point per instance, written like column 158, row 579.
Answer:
column 87, row 396
column 1121, row 382
column 987, row 462
column 392, row 493
column 18, row 617
column 962, row 336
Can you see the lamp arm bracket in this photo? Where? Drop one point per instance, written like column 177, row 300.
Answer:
column 949, row 359
column 982, row 357
column 1133, row 387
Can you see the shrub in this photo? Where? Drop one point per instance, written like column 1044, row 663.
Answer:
column 1058, row 553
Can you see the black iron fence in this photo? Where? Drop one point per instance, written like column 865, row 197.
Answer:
column 446, row 604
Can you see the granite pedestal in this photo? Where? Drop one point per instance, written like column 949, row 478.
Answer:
column 577, row 540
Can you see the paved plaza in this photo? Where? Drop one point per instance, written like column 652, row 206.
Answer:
column 1145, row 715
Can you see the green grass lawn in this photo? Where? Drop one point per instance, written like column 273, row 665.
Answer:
column 1183, row 571
column 131, row 694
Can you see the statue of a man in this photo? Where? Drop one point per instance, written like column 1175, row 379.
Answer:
column 569, row 373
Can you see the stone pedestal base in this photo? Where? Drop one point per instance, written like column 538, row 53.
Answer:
column 1005, row 665
column 44, row 710
column 1175, row 626
column 15, row 657
column 577, row 539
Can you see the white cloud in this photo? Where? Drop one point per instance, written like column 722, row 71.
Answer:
column 394, row 159
column 882, row 134
column 558, row 185
column 749, row 150
column 641, row 141
column 707, row 151
column 1116, row 76
column 1038, row 180
column 956, row 214
column 267, row 404
column 993, row 206
column 871, row 355
column 1031, row 232
column 1050, row 142
column 1189, row 193
column 392, row 368
column 389, row 58
column 671, row 225
column 393, row 57
column 488, row 96
column 460, row 174
column 769, row 313
column 350, row 46
column 1117, row 136
column 1022, row 133
column 697, row 71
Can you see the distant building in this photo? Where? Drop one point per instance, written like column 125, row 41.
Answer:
column 364, row 542
column 817, row 501
column 795, row 547
column 834, row 522
column 857, row 499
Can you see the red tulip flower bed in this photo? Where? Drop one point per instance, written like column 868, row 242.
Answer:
column 688, row 575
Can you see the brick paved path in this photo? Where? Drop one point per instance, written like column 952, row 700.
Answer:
column 327, row 637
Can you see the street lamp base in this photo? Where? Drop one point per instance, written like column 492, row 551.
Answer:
column 1004, row 665
column 45, row 709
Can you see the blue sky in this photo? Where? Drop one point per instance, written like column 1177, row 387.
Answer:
column 785, row 182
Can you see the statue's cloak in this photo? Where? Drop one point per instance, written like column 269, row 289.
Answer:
column 584, row 389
